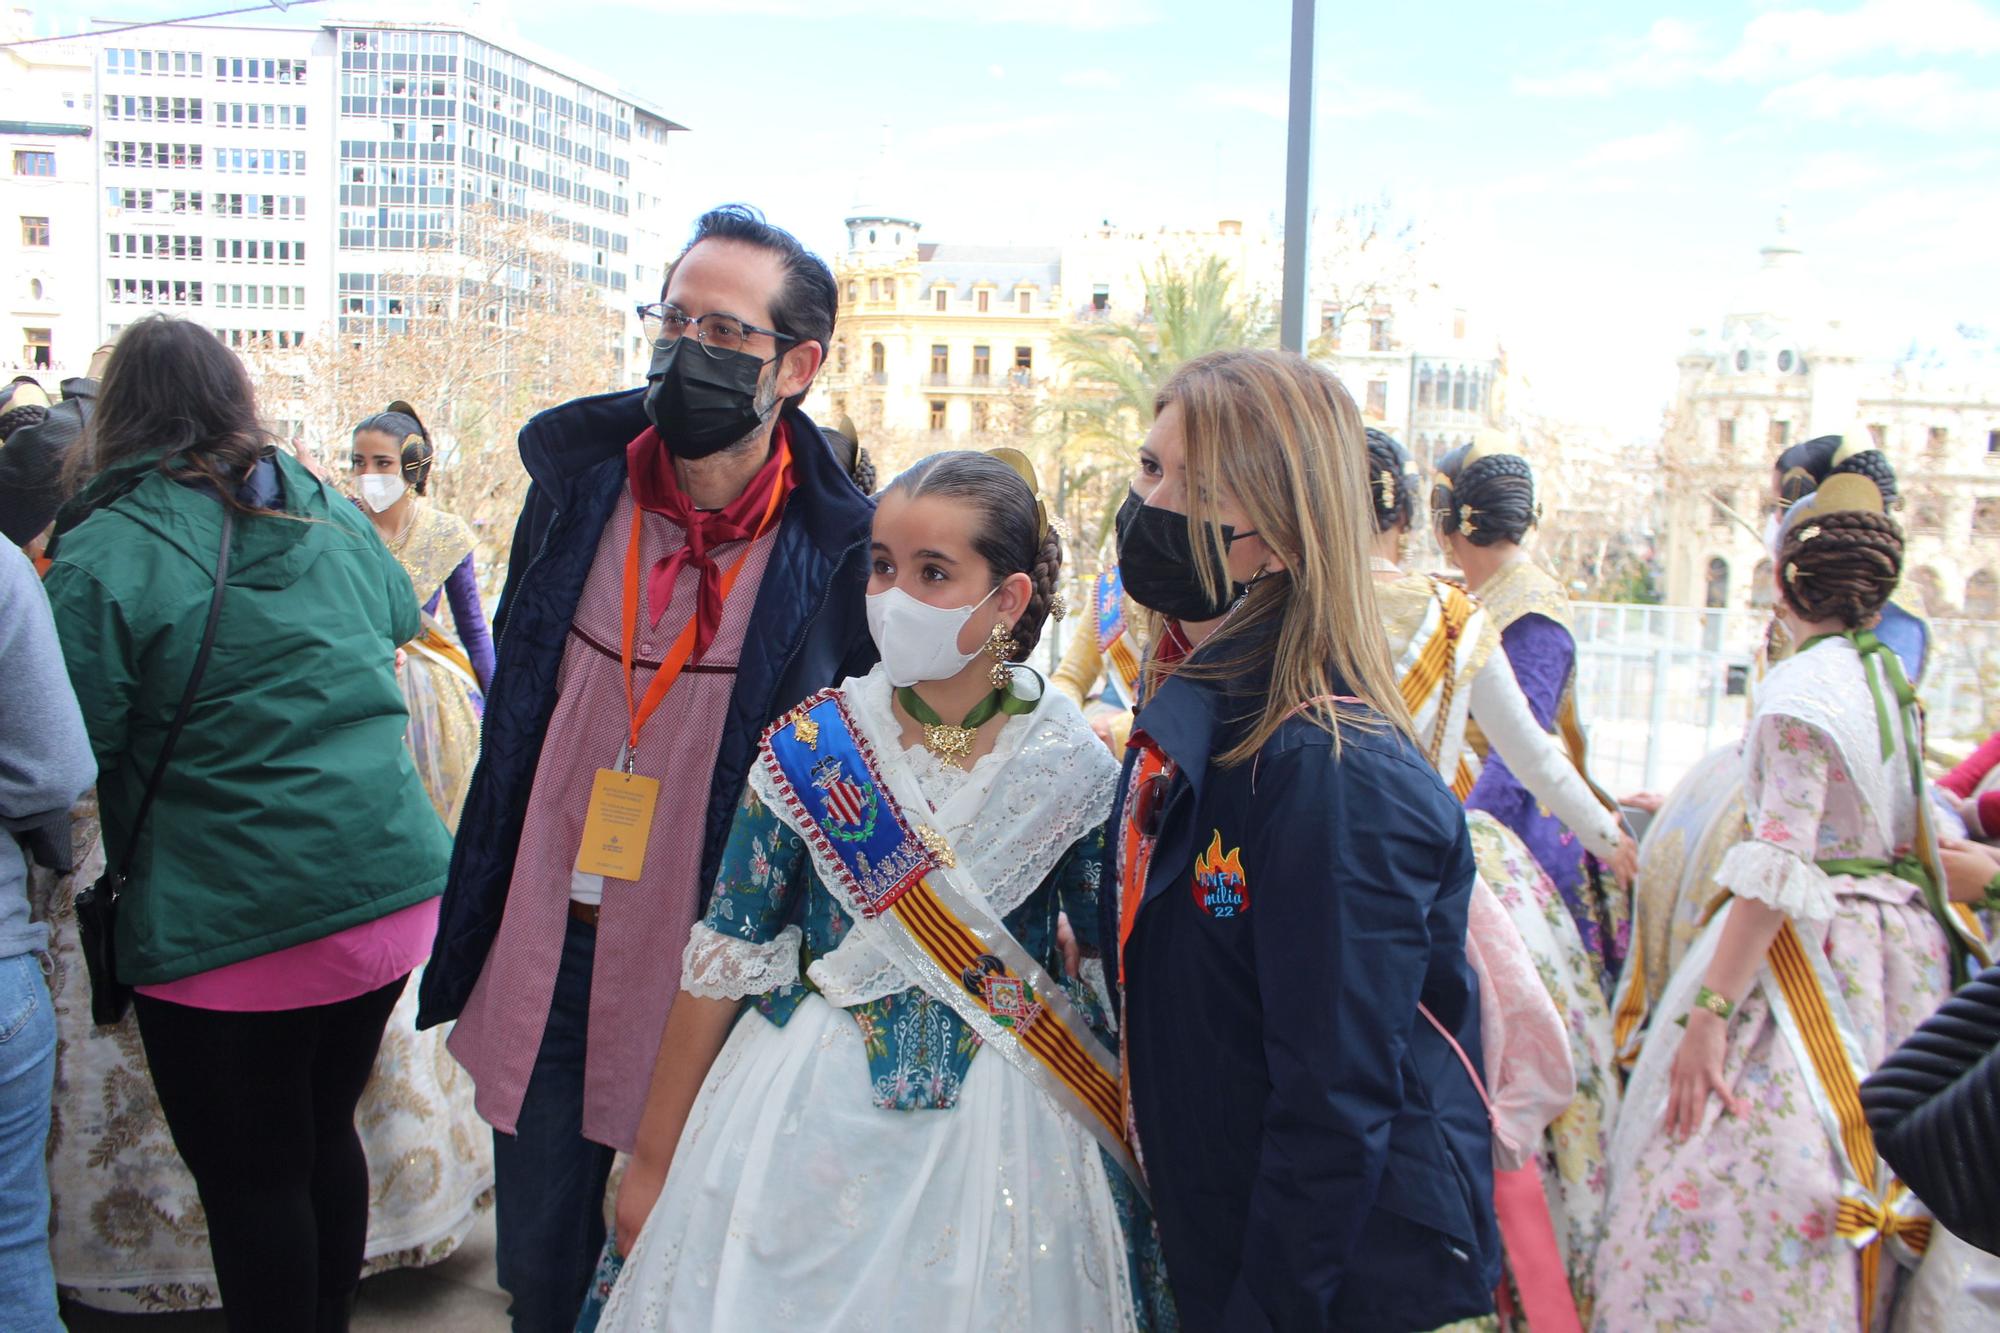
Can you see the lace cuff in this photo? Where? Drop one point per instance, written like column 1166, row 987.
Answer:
column 1771, row 875
column 723, row 967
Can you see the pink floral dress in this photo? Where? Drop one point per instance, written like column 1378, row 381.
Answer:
column 1734, row 1229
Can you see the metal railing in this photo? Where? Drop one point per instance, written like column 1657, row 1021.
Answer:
column 1660, row 686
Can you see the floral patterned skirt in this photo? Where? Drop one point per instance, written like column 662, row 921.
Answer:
column 1734, row 1229
column 1574, row 1148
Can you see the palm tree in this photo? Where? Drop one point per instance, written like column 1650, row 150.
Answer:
column 1115, row 369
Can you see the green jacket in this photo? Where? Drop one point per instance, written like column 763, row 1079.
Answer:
column 290, row 809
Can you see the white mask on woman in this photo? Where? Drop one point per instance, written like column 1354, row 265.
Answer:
column 918, row 641
column 381, row 490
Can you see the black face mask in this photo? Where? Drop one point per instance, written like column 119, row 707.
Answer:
column 702, row 404
column 1156, row 563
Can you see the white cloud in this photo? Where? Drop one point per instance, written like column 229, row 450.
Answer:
column 1088, row 15
column 1790, row 41
column 1093, row 80
column 966, row 134
column 996, row 71
column 1669, row 53
column 1838, row 170
column 1673, row 141
column 1337, row 100
column 1932, row 100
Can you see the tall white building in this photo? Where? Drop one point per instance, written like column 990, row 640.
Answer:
column 1782, row 368
column 262, row 180
column 1428, row 372
column 48, row 222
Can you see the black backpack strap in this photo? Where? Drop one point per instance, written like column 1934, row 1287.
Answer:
column 187, row 695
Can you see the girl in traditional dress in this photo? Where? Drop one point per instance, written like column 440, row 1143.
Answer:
column 884, row 1098
column 444, row 679
column 1697, row 823
column 1446, row 652
column 1483, row 503
column 1745, row 1190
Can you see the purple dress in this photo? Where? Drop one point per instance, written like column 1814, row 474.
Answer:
column 1543, row 655
column 469, row 618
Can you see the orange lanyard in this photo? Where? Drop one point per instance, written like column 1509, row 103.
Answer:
column 1137, row 861
column 639, row 710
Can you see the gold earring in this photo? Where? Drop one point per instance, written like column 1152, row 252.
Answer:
column 1059, row 606
column 1001, row 646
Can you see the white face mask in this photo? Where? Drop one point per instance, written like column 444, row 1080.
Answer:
column 380, row 490
column 918, row 641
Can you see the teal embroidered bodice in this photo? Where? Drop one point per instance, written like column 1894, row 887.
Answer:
column 919, row 1050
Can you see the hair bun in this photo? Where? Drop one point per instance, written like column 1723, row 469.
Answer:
column 1842, row 566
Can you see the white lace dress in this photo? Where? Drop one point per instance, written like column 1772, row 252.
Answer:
column 800, row 1195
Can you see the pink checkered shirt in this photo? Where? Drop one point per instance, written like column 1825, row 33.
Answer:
column 644, row 923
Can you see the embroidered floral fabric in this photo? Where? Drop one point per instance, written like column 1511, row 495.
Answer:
column 918, row 1050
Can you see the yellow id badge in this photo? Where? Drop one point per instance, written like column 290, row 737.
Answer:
column 618, row 824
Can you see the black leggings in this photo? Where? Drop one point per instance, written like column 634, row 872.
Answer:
column 261, row 1107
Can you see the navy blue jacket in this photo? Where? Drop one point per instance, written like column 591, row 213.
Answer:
column 1318, row 1156
column 807, row 631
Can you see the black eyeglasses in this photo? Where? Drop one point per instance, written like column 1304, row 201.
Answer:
column 716, row 334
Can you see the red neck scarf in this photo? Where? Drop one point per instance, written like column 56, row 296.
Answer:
column 656, row 489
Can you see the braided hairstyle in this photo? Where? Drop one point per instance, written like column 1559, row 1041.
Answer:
column 399, row 422
column 1841, row 566
column 1803, row 467
column 15, row 418
column 1391, row 485
column 1486, row 501
column 1010, row 536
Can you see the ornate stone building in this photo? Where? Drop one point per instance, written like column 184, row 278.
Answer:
column 1781, row 368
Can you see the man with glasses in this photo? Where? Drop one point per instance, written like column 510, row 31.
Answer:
column 690, row 565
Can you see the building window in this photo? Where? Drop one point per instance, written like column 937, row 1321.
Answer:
column 1024, row 364
column 1457, row 390
column 1982, row 598
column 1993, row 444
column 1762, row 591
column 34, row 231
column 1378, row 335
column 28, row 162
column 1718, row 583
column 35, row 348
column 1378, row 399
column 979, row 421
column 982, row 363
column 853, row 292
column 1986, row 517
column 1025, row 299
column 1718, row 510
column 984, row 300
column 1878, row 436
column 1424, row 387
column 1100, row 298
column 1781, row 433
column 1725, row 433
column 1938, row 439
column 937, row 415
column 1926, row 517
column 941, row 297
column 874, row 289
column 940, row 361
column 888, row 289
column 878, row 360
column 840, row 357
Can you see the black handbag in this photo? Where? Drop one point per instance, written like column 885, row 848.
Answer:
column 97, row 906
column 1934, row 1106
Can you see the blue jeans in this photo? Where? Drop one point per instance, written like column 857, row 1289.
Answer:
column 548, row 1178
column 27, row 1082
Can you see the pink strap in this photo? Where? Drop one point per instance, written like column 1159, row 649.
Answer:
column 1527, row 1232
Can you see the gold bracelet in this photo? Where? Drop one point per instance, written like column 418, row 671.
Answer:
column 1715, row 1004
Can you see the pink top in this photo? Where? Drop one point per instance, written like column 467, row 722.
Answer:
column 324, row 971
column 1965, row 779
column 642, row 925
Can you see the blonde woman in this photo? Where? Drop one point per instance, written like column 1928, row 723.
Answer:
column 1299, row 1013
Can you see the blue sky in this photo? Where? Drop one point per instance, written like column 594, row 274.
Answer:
column 1596, row 178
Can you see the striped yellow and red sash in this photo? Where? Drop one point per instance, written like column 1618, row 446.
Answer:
column 882, row 867
column 1873, row 1207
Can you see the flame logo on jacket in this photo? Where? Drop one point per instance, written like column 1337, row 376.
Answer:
column 1220, row 888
